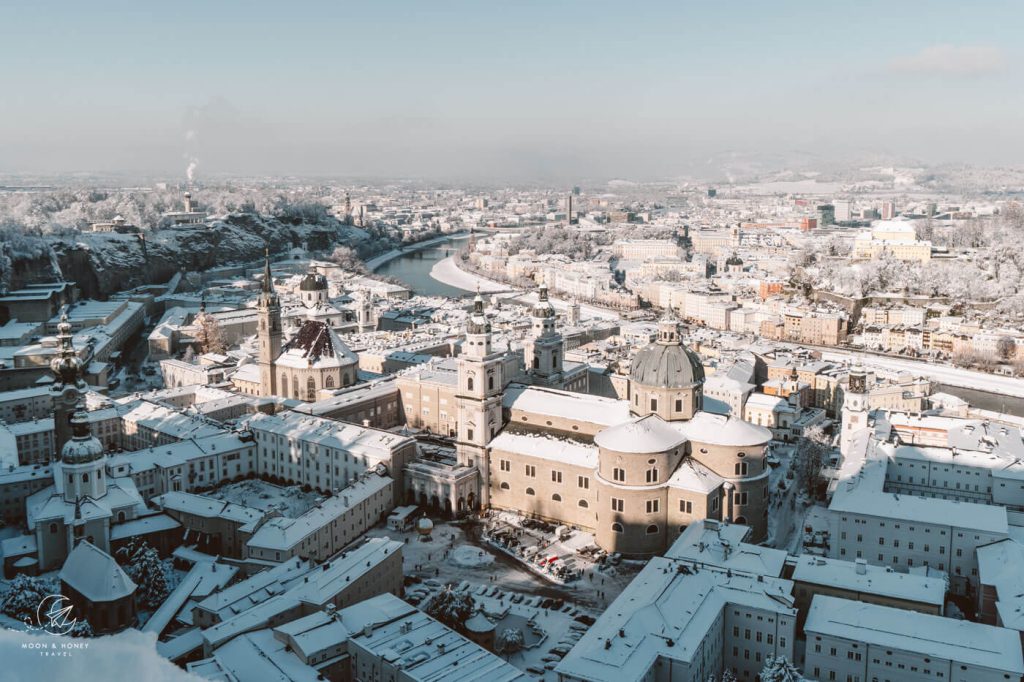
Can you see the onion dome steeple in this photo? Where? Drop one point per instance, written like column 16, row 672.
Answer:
column 478, row 322
column 543, row 307
column 67, row 366
column 83, row 446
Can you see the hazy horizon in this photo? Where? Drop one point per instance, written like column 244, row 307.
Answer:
column 539, row 90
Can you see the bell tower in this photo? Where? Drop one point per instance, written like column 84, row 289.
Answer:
column 855, row 408
column 269, row 331
column 479, row 396
column 546, row 348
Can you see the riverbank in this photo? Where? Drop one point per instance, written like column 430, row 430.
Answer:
column 448, row 272
column 391, row 255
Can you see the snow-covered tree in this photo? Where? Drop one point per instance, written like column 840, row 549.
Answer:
column 24, row 595
column 208, row 334
column 510, row 641
column 452, row 608
column 810, row 458
column 148, row 571
column 778, row 669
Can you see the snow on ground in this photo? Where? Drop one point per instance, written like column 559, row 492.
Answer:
column 291, row 501
column 448, row 272
column 548, row 625
column 114, row 658
column 469, row 556
column 434, row 560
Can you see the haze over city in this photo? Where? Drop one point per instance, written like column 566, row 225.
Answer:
column 505, row 91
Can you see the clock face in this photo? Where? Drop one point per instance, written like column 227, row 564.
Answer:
column 70, row 394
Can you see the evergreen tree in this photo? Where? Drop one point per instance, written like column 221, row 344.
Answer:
column 24, row 595
column 778, row 669
column 452, row 608
column 148, row 571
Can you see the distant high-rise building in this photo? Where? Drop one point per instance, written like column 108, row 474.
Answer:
column 888, row 210
column 712, row 192
column 826, row 215
column 843, row 210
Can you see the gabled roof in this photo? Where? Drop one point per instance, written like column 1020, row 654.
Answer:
column 95, row 575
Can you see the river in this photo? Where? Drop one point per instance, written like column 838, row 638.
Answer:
column 413, row 268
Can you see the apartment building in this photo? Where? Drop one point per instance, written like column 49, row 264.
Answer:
column 849, row 641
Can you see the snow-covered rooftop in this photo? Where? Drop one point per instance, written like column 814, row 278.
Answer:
column 95, row 575
column 946, row 638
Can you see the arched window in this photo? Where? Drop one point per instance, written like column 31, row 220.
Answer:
column 85, row 477
column 556, row 497
column 741, row 468
column 284, row 385
column 504, row 486
column 53, row 527
column 583, row 503
column 740, row 519
column 469, row 383
column 329, row 381
column 120, row 517
column 310, row 389
column 652, row 529
column 529, row 491
column 616, row 527
column 490, row 383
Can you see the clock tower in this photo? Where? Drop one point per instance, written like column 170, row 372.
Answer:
column 855, row 408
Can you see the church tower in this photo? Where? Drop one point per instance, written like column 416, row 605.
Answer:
column 364, row 311
column 68, row 388
column 546, row 347
column 478, row 396
column 82, row 462
column 269, row 331
column 855, row 408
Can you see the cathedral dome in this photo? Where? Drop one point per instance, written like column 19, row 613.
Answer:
column 83, row 447
column 313, row 282
column 667, row 363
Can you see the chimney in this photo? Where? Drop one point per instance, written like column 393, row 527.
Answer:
column 861, row 566
column 188, row 202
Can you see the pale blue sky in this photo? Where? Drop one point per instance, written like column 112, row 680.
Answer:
column 502, row 89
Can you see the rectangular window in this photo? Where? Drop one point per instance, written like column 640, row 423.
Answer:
column 506, row 465
column 531, row 471
column 583, row 482
column 686, row 506
column 617, row 504
column 556, row 476
column 652, row 506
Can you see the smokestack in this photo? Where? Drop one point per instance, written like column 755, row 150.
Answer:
column 188, row 202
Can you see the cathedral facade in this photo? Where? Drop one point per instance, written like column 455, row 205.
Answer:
column 314, row 358
column 633, row 472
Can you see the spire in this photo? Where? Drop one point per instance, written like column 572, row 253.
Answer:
column 67, row 366
column 268, row 280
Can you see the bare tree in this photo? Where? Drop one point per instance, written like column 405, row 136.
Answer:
column 208, row 334
column 810, row 457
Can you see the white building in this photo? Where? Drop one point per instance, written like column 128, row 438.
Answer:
column 848, row 640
